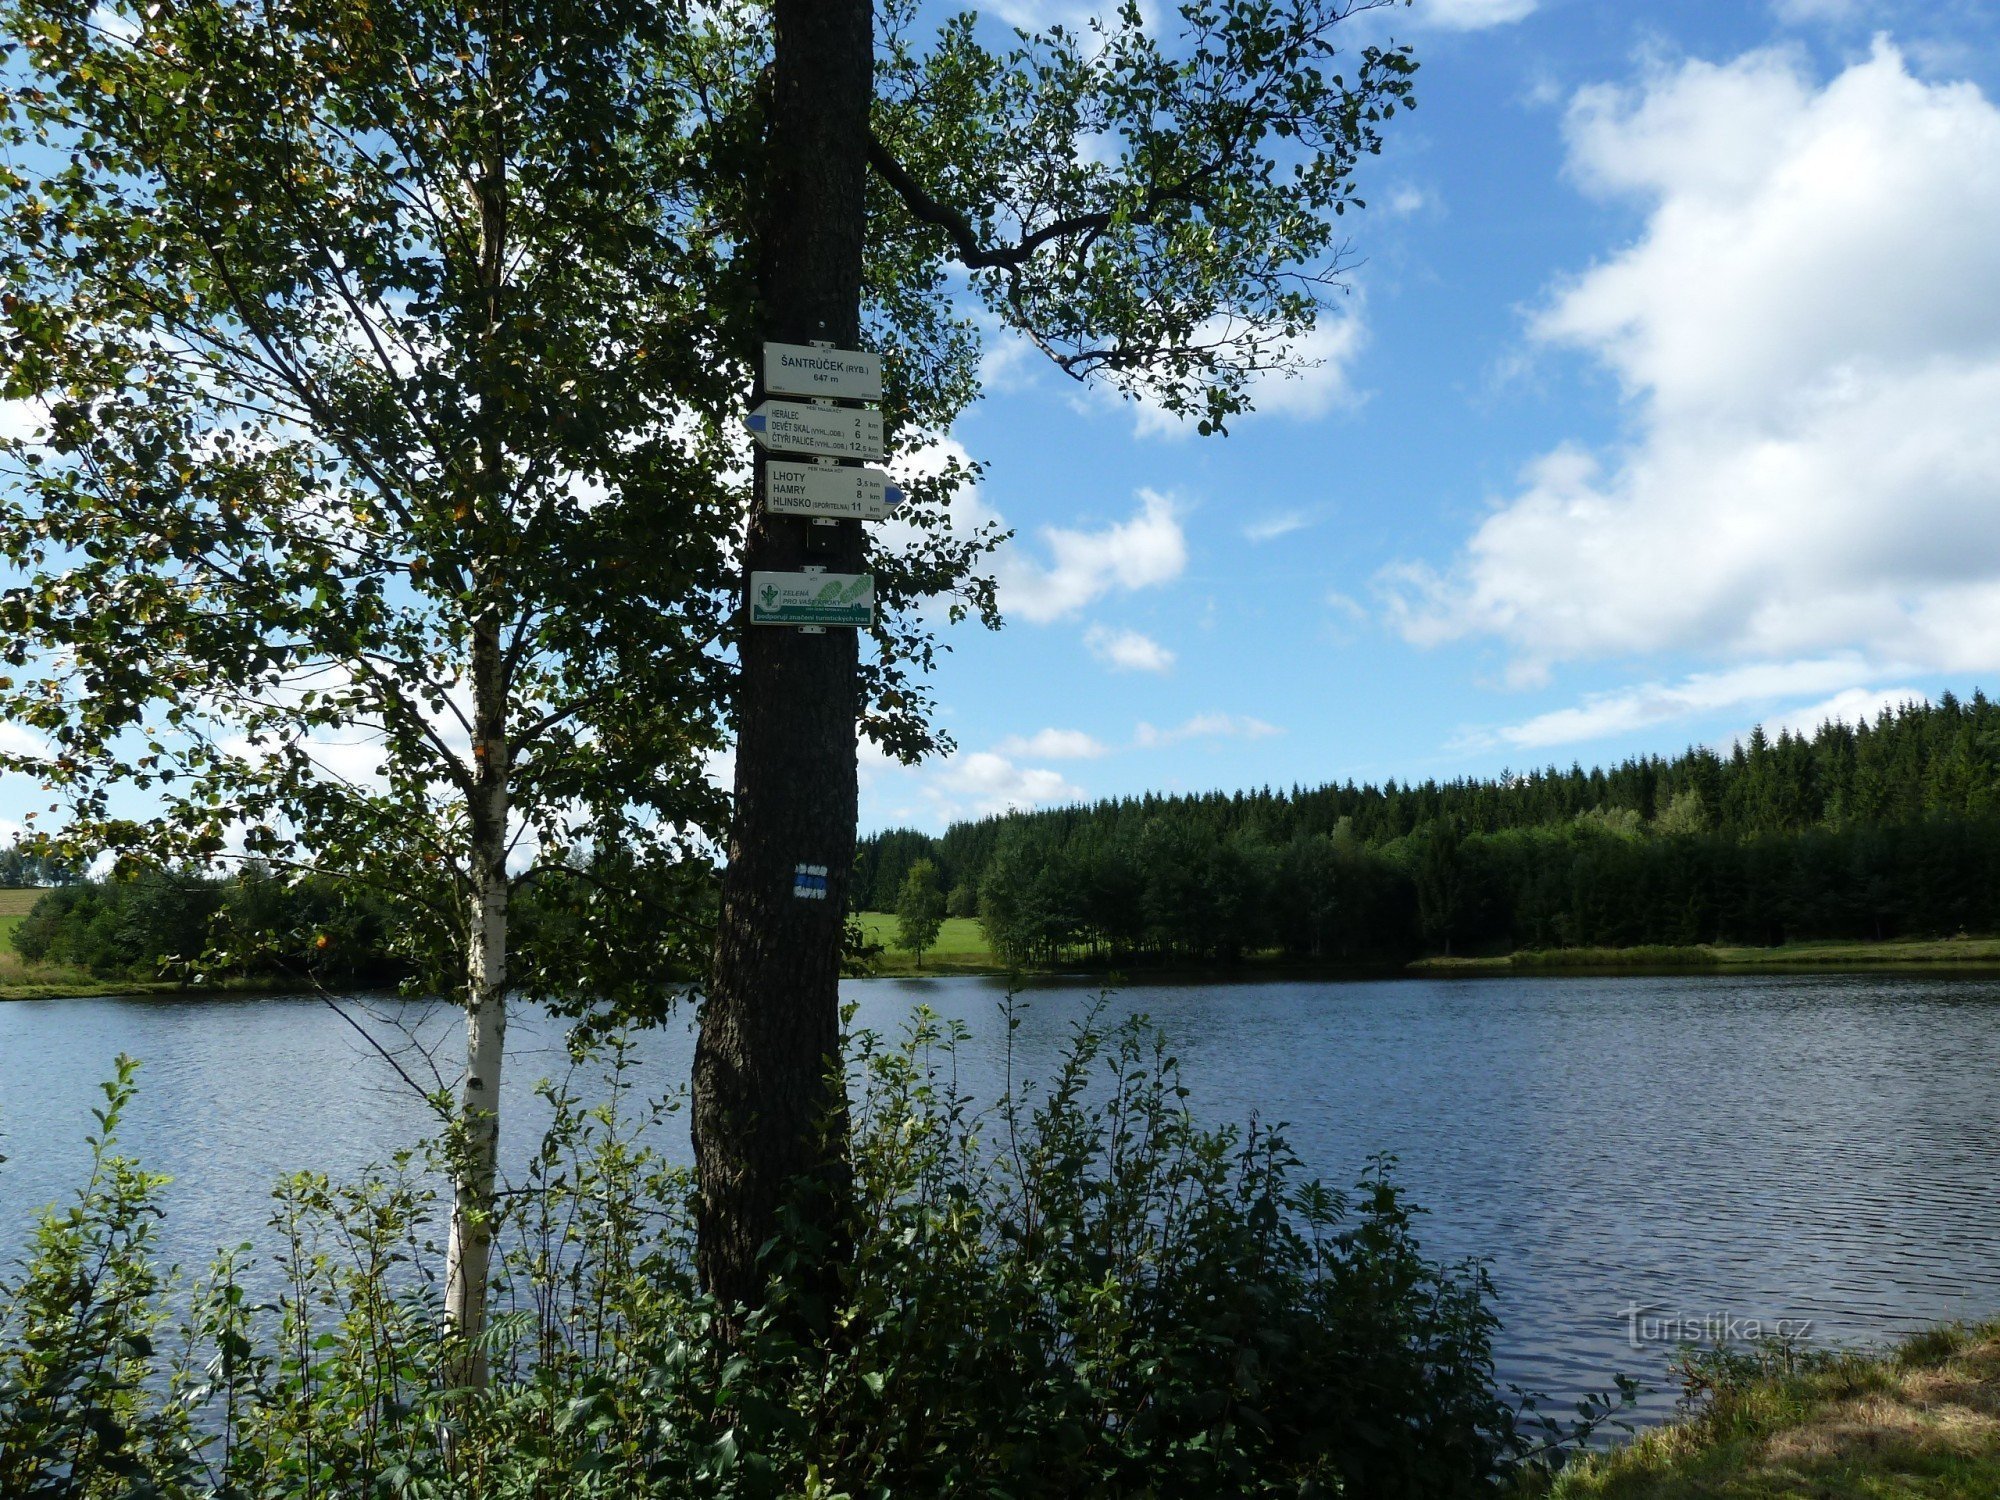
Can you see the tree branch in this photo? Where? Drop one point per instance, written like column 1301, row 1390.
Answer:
column 971, row 254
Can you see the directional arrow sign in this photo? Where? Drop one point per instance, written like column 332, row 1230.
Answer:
column 836, row 431
column 812, row 599
column 802, row 370
column 822, row 490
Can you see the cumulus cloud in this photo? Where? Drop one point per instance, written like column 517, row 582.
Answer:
column 1205, row 727
column 1808, row 329
column 1142, row 551
column 1127, row 650
column 1053, row 744
column 972, row 785
column 1065, row 568
column 1474, row 15
column 1321, row 382
column 1624, row 710
column 1855, row 706
column 991, row 783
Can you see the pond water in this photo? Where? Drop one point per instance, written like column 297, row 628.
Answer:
column 1638, row 1157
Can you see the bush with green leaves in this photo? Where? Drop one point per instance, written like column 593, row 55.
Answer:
column 1075, row 1290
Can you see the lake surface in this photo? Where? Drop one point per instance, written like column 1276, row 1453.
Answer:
column 1636, row 1156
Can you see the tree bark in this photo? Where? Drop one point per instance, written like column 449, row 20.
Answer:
column 769, row 1108
column 468, row 1252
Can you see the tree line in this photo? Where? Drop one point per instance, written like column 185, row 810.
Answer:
column 251, row 924
column 1872, row 830
column 261, row 922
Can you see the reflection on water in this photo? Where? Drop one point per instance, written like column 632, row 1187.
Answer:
column 1635, row 1155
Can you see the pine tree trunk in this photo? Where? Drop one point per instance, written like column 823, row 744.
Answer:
column 769, row 1111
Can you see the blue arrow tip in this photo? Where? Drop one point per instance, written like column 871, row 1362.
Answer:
column 893, row 495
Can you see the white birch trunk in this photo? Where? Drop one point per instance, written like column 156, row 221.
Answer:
column 469, row 1252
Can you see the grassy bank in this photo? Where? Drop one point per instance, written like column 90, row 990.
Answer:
column 1921, row 1421
column 21, row 980
column 1970, row 952
column 961, row 947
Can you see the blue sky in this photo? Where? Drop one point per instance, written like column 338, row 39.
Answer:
column 1665, row 401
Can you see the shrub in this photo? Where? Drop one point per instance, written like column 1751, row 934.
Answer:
column 1077, row 1290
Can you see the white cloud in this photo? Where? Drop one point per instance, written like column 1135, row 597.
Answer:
column 1053, row 744
column 1855, row 706
column 1404, row 201
column 1270, row 528
column 972, row 785
column 1601, row 715
column 1321, row 383
column 1205, row 727
column 123, row 28
column 1809, row 330
column 1346, row 605
column 1127, row 650
column 1800, row 12
column 21, row 420
column 1474, row 15
column 1141, row 552
column 718, row 767
column 1008, row 364
column 969, row 510
column 990, row 783
column 1146, row 549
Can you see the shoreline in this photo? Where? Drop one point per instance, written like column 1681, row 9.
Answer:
column 1963, row 954
column 1919, row 1418
column 87, row 988
column 1971, row 957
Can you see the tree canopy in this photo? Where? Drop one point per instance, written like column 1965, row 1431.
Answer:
column 375, row 492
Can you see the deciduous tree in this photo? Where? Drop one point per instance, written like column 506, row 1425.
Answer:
column 377, row 498
column 919, row 910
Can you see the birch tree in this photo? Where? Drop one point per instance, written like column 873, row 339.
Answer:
column 374, row 486
column 374, row 477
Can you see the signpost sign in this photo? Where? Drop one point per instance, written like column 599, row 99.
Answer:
column 836, row 431
column 812, row 599
column 807, row 370
column 795, row 489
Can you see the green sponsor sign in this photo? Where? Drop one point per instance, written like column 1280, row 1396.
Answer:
column 812, row 599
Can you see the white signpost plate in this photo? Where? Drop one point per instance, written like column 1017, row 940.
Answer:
column 793, row 489
column 836, row 431
column 812, row 599
column 803, row 370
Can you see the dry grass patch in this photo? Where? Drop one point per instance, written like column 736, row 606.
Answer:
column 1922, row 1423
column 18, row 901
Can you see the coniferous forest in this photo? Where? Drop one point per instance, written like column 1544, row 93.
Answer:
column 1870, row 831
